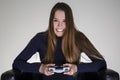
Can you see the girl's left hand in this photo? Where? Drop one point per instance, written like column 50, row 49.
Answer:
column 73, row 69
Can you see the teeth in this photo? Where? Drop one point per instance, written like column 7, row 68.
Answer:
column 59, row 30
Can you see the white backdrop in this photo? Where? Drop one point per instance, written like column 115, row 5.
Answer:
column 20, row 20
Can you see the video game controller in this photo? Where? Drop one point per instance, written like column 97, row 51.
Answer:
column 59, row 69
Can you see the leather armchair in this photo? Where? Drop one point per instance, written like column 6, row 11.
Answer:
column 108, row 74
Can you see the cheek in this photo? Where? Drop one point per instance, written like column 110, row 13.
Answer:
column 64, row 25
column 54, row 30
column 55, row 24
column 54, row 27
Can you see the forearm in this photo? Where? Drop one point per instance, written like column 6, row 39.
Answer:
column 26, row 67
column 92, row 67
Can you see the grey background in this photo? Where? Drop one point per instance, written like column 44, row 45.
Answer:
column 20, row 20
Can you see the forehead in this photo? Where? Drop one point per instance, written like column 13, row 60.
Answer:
column 59, row 14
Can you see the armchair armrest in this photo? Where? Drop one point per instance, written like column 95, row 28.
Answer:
column 8, row 75
column 17, row 75
column 107, row 74
column 111, row 75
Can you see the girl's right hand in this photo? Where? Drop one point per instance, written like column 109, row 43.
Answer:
column 44, row 69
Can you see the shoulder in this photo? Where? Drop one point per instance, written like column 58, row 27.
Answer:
column 41, row 36
column 80, row 35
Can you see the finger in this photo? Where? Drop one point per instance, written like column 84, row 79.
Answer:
column 50, row 65
column 71, row 72
column 48, row 73
column 67, row 64
column 67, row 73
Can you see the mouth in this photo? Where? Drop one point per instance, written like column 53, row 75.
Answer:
column 60, row 30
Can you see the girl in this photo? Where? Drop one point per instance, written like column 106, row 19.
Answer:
column 61, row 45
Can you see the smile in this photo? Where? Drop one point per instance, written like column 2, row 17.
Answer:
column 59, row 30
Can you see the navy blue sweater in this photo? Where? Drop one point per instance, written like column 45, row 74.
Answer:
column 39, row 44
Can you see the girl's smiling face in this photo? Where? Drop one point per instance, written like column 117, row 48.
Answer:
column 59, row 23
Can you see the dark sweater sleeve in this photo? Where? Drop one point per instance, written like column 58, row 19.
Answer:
column 88, row 48
column 95, row 66
column 20, row 63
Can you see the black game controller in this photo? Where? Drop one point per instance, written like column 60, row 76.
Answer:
column 59, row 69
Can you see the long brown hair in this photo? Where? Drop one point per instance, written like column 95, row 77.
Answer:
column 73, row 41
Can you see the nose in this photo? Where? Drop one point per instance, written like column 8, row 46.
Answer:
column 60, row 24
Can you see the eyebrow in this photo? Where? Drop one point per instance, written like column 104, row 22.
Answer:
column 54, row 18
column 57, row 18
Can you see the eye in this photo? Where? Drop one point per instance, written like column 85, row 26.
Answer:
column 64, row 20
column 55, row 20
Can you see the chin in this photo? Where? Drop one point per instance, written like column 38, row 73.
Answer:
column 59, row 35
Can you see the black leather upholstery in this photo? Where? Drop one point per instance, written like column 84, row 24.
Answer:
column 109, row 74
column 8, row 75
